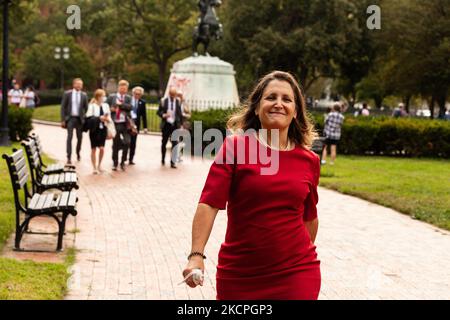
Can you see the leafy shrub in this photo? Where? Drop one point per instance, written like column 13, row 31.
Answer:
column 19, row 123
column 405, row 137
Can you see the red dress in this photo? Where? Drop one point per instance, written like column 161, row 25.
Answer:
column 267, row 253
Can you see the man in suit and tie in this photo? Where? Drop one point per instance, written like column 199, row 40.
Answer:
column 170, row 112
column 73, row 109
column 138, row 114
column 120, row 106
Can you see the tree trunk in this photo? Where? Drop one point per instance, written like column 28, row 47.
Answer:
column 433, row 101
column 303, row 77
column 162, row 67
column 441, row 100
column 352, row 103
column 42, row 85
column 378, row 102
column 407, row 101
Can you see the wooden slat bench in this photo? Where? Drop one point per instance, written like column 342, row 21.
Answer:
column 51, row 168
column 65, row 181
column 58, row 206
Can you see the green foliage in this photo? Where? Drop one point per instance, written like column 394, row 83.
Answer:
column 395, row 137
column 213, row 119
column 49, row 97
column 19, row 122
column 40, row 63
column 155, row 31
column 413, row 51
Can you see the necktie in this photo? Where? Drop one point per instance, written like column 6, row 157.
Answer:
column 118, row 109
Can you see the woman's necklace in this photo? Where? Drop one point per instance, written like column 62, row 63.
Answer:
column 287, row 148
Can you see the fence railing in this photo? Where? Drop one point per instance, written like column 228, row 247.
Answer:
column 153, row 120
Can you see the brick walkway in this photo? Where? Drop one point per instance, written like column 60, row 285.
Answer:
column 135, row 230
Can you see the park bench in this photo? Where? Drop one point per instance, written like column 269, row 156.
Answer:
column 58, row 206
column 51, row 168
column 317, row 146
column 64, row 181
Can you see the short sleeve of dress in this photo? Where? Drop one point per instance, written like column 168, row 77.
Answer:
column 312, row 199
column 217, row 187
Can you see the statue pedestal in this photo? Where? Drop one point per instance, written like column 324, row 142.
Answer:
column 206, row 83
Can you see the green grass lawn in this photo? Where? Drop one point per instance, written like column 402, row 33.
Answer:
column 417, row 187
column 48, row 113
column 25, row 280
column 52, row 113
column 7, row 211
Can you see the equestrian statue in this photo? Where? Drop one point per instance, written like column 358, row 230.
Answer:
column 209, row 26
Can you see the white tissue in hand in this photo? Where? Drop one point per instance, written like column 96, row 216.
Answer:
column 197, row 276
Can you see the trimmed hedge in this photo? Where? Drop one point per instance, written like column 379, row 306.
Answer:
column 49, row 97
column 405, row 137
column 19, row 123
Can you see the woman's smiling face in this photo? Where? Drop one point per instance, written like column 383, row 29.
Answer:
column 277, row 107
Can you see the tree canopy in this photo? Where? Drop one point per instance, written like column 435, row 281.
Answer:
column 314, row 39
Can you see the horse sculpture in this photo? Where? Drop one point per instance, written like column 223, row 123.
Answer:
column 208, row 26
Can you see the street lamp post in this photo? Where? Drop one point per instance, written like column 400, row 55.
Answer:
column 62, row 54
column 4, row 131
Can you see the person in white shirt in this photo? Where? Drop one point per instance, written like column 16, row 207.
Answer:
column 98, row 114
column 185, row 125
column 30, row 97
column 365, row 110
column 138, row 114
column 171, row 118
column 15, row 95
column 73, row 109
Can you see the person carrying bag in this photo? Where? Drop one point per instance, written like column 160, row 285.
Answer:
column 110, row 129
column 98, row 115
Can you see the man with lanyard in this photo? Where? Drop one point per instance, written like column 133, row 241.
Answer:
column 73, row 109
column 120, row 106
column 170, row 112
column 138, row 113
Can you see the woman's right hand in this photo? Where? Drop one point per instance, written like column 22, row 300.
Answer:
column 196, row 262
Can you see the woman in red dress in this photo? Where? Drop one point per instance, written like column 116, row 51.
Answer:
column 269, row 251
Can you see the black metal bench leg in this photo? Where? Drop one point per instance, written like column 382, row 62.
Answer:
column 17, row 239
column 26, row 228
column 62, row 227
column 19, row 233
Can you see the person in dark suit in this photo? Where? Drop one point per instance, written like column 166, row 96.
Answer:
column 120, row 107
column 73, row 109
column 170, row 112
column 138, row 114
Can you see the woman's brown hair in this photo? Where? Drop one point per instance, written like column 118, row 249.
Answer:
column 98, row 95
column 301, row 130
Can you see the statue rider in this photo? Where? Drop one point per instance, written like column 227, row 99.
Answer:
column 208, row 25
